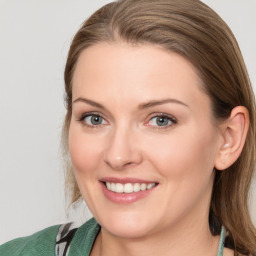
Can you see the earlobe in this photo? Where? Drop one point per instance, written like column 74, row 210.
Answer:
column 234, row 131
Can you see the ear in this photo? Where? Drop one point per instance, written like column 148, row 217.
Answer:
column 233, row 131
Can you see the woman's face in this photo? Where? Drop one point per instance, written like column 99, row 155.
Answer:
column 142, row 139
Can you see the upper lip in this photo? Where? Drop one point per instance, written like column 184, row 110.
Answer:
column 125, row 180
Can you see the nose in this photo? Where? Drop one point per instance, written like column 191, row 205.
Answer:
column 122, row 149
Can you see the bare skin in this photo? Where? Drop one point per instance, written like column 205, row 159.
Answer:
column 139, row 112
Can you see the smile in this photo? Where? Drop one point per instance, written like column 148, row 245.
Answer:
column 128, row 188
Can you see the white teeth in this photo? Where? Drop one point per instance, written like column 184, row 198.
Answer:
column 119, row 188
column 128, row 187
column 108, row 185
column 113, row 187
column 151, row 185
column 143, row 186
column 136, row 187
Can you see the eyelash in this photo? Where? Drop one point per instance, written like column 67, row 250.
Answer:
column 170, row 118
column 85, row 115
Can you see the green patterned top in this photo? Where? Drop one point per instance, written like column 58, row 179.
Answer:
column 43, row 243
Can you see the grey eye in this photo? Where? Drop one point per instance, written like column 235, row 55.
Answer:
column 94, row 120
column 161, row 121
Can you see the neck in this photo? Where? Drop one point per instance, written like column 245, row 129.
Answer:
column 191, row 238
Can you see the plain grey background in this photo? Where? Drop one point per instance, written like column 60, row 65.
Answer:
column 34, row 40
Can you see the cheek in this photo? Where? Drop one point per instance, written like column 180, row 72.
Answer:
column 184, row 154
column 185, row 162
column 85, row 151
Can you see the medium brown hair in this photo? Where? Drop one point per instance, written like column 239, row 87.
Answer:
column 194, row 31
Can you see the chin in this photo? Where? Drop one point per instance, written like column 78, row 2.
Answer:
column 126, row 231
column 126, row 226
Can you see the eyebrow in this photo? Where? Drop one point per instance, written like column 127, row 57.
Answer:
column 141, row 106
column 90, row 102
column 153, row 103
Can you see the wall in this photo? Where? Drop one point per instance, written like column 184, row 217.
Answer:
column 34, row 40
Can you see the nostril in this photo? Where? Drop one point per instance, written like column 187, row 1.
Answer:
column 118, row 163
column 130, row 163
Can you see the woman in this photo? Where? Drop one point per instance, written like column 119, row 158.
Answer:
column 159, row 135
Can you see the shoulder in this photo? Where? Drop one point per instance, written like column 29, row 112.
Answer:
column 75, row 241
column 56, row 239
column 40, row 243
column 84, row 238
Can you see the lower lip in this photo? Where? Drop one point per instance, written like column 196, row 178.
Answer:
column 125, row 198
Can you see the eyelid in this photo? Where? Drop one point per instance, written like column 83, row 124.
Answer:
column 86, row 114
column 173, row 119
column 155, row 115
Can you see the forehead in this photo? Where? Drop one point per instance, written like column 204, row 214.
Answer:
column 121, row 71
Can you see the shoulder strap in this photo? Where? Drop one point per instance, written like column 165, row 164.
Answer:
column 221, row 242
column 64, row 238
